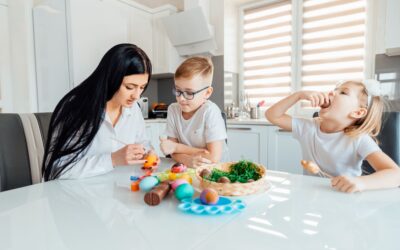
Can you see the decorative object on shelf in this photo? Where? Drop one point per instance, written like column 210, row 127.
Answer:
column 313, row 168
column 223, row 206
column 233, row 178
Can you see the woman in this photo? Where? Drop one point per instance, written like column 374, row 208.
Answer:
column 98, row 125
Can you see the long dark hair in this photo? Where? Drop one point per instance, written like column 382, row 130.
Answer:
column 78, row 116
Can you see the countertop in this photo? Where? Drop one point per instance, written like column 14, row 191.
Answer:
column 228, row 121
column 297, row 212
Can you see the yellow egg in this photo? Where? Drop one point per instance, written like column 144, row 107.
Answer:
column 172, row 176
column 186, row 177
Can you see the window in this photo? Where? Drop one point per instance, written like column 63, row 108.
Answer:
column 309, row 44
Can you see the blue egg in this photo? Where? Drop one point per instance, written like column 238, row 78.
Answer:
column 148, row 183
column 184, row 191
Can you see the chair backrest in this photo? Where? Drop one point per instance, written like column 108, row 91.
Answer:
column 389, row 139
column 15, row 168
column 43, row 120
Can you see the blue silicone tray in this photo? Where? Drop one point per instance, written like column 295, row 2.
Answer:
column 224, row 206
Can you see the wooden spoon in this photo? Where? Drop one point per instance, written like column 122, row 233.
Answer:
column 313, row 168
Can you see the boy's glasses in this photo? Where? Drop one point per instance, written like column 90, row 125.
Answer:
column 188, row 95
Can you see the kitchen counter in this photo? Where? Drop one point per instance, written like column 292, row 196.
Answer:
column 297, row 212
column 228, row 121
column 248, row 122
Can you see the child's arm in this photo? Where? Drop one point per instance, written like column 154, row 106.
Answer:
column 387, row 175
column 172, row 146
column 276, row 113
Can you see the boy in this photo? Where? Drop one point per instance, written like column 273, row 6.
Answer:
column 195, row 127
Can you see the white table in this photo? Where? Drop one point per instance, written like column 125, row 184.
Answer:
column 298, row 212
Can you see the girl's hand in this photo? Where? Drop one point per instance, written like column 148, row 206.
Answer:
column 347, row 184
column 168, row 147
column 199, row 160
column 317, row 99
column 128, row 155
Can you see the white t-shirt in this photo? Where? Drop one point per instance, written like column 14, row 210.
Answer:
column 129, row 129
column 335, row 153
column 205, row 126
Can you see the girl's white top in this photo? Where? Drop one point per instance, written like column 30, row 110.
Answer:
column 335, row 153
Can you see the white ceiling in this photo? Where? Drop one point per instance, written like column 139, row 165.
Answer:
column 156, row 3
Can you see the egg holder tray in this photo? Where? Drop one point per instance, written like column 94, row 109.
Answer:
column 224, row 206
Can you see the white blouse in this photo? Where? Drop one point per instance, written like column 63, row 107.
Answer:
column 130, row 129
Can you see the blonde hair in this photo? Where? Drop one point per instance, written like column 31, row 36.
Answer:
column 371, row 123
column 197, row 65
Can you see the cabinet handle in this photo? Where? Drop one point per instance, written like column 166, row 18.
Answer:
column 283, row 131
column 241, row 129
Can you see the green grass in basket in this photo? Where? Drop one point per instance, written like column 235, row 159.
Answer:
column 239, row 172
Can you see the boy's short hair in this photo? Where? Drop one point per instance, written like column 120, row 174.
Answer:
column 197, row 65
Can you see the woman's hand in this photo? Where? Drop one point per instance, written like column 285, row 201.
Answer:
column 128, row 155
column 347, row 184
column 168, row 147
column 317, row 99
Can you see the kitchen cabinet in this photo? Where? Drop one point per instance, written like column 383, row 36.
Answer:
column 72, row 36
column 392, row 34
column 154, row 130
column 266, row 144
column 165, row 57
column 248, row 142
column 5, row 81
column 284, row 152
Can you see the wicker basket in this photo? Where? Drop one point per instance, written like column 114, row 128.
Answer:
column 233, row 189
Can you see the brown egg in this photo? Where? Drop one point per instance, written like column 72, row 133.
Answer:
column 224, row 179
column 205, row 173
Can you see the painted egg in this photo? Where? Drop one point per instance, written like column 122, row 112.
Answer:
column 178, row 168
column 178, row 182
column 184, row 191
column 209, row 196
column 148, row 183
column 151, row 161
column 172, row 176
column 186, row 177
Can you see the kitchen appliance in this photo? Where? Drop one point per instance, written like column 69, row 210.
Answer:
column 144, row 106
column 159, row 110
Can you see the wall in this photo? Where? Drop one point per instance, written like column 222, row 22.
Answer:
column 22, row 56
column 231, row 35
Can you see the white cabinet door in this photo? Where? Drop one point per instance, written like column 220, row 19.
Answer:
column 51, row 54
column 154, row 130
column 5, row 78
column 392, row 34
column 165, row 56
column 248, row 142
column 284, row 152
column 140, row 30
column 95, row 26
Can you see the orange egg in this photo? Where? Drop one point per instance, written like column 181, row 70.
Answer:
column 151, row 161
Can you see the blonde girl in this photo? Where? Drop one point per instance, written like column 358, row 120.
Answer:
column 343, row 135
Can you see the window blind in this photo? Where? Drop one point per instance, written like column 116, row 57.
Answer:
column 267, row 51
